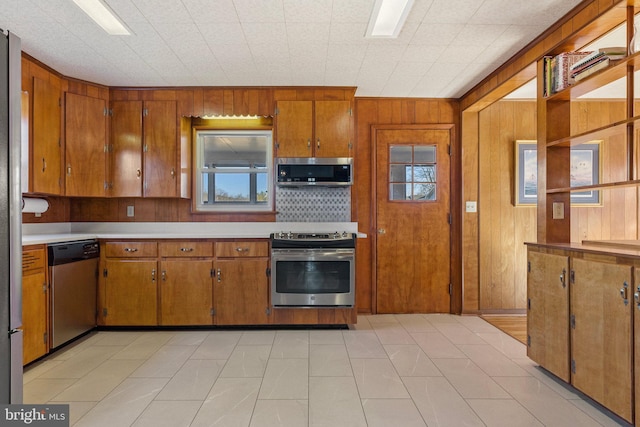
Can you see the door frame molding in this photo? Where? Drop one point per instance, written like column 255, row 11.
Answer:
column 455, row 264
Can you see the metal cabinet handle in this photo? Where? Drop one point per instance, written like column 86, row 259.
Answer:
column 138, row 173
column 242, row 250
column 69, row 169
column 562, row 278
column 153, row 275
column 173, row 172
column 164, row 275
column 186, row 249
column 218, row 276
column 636, row 296
column 131, row 249
column 309, row 143
column 623, row 293
column 381, row 231
column 318, row 144
column 44, row 164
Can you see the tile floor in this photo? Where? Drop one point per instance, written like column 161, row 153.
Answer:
column 388, row 370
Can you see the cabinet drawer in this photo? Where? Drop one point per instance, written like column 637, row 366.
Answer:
column 131, row 249
column 185, row 249
column 33, row 261
column 242, row 249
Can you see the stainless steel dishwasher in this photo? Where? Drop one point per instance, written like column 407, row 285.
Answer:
column 73, row 275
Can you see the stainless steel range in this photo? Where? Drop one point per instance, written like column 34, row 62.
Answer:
column 313, row 269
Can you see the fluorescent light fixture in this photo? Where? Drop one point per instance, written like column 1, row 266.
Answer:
column 102, row 14
column 387, row 18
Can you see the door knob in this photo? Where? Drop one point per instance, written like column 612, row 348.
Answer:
column 381, row 231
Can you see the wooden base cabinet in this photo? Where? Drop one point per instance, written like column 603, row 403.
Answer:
column 241, row 285
column 128, row 289
column 548, row 312
column 601, row 337
column 35, row 303
column 186, row 283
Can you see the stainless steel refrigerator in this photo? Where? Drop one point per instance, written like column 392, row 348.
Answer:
column 10, row 222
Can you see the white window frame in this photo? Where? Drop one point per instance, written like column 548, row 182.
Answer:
column 230, row 206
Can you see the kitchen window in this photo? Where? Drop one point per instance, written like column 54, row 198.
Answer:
column 233, row 171
column 412, row 173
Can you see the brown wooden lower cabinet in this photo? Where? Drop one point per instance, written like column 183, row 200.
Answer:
column 195, row 283
column 35, row 303
column 591, row 346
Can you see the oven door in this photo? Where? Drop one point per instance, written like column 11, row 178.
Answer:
column 312, row 277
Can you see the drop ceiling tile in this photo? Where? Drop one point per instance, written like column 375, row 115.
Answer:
column 267, row 51
column 344, row 52
column 206, row 11
column 162, row 11
column 232, row 53
column 352, row 11
column 127, row 11
column 340, row 77
column 222, row 33
column 21, row 11
column 308, row 50
column 307, row 31
column 260, row 10
column 503, row 12
column 422, row 52
column 451, row 11
column 264, row 32
column 436, row 34
column 459, row 54
column 381, row 53
column 72, row 14
column 348, row 32
column 479, row 35
column 308, row 10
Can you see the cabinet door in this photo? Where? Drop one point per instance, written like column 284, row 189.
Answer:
column 294, row 129
column 46, row 153
column 548, row 312
column 601, row 337
column 186, row 292
column 332, row 128
column 130, row 296
column 34, row 316
column 241, row 292
column 85, row 140
column 636, row 342
column 160, row 149
column 126, row 140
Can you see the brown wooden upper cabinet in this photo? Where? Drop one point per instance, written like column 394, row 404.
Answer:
column 46, row 159
column 313, row 129
column 145, row 147
column 85, row 146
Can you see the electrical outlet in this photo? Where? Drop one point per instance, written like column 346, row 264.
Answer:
column 130, row 211
column 471, row 206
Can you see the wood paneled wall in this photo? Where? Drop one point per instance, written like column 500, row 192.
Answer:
column 375, row 111
column 503, row 228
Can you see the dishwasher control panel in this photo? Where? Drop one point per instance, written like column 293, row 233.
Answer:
column 63, row 253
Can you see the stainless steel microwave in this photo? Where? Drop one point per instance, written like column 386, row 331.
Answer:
column 314, row 171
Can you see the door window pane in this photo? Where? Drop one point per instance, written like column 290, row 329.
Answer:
column 412, row 172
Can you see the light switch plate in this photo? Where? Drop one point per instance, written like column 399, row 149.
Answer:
column 558, row 210
column 130, row 211
column 471, row 206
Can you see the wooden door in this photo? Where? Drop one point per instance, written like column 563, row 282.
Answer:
column 186, row 292
column 412, row 205
column 332, row 128
column 636, row 342
column 601, row 333
column 126, row 156
column 85, row 141
column 548, row 312
column 294, row 129
column 241, row 291
column 46, row 153
column 160, row 172
column 130, row 293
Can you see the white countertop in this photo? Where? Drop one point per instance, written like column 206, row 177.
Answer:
column 66, row 232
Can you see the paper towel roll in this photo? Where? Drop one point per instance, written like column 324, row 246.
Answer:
column 30, row 205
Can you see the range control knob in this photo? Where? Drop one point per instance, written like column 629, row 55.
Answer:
column 344, row 234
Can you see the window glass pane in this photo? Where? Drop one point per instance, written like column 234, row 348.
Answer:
column 262, row 192
column 424, row 191
column 398, row 173
column 242, row 150
column 233, row 187
column 400, row 154
column 424, row 154
column 424, row 173
column 399, row 191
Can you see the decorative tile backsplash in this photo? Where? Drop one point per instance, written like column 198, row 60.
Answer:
column 313, row 204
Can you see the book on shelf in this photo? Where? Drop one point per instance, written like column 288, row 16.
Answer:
column 614, row 52
column 559, row 76
column 588, row 64
column 592, row 69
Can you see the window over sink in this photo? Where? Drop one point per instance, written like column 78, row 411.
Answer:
column 233, row 170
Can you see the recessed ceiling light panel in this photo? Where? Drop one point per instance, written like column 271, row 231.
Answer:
column 102, row 14
column 387, row 18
